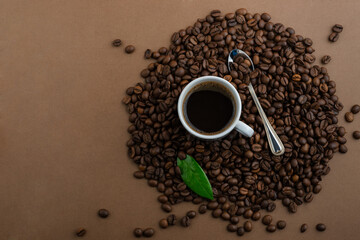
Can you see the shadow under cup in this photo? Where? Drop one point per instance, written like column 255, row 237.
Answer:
column 207, row 107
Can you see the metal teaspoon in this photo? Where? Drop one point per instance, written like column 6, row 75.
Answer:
column 276, row 146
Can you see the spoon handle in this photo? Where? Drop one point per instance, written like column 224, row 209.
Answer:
column 276, row 146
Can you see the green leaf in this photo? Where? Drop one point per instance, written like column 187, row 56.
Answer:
column 194, row 177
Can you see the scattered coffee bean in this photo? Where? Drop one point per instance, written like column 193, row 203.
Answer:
column 356, row 134
column 129, row 49
column 139, row 174
column 147, row 54
column 231, row 228
column 103, row 213
column 240, row 231
column 191, row 214
column 248, row 226
column 148, row 232
column 333, row 37
column 185, row 221
column 349, row 116
column 271, row 228
column 320, row 227
column 137, row 232
column 303, row 227
column 337, row 28
column 80, row 232
column 171, row 219
column 355, row 109
column 326, row 59
column 281, row 224
column 116, row 43
column 267, row 219
column 163, row 223
column 202, row 209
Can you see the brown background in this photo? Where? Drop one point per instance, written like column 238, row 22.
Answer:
column 63, row 127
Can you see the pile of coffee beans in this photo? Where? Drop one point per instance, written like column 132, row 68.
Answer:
column 298, row 97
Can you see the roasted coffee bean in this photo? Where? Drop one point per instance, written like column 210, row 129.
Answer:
column 341, row 131
column 225, row 215
column 213, row 205
column 349, row 116
column 337, row 28
column 138, row 232
column 217, row 213
column 356, row 134
column 292, row 207
column 231, row 227
column 129, row 49
column 139, row 174
column 147, row 54
column 234, row 220
column 166, row 207
column 171, row 219
column 202, row 209
column 185, row 221
column 103, row 213
column 163, row 223
column 117, row 43
column 240, row 231
column 320, row 227
column 296, row 77
column 80, row 232
column 343, row 148
column 228, row 78
column 248, row 226
column 191, row 214
column 325, row 59
column 148, row 232
column 303, row 227
column 271, row 228
column 308, row 197
column 271, row 207
column 256, row 216
column 248, row 213
column 355, row 109
column 281, row 224
column 267, row 219
column 333, row 37
column 162, row 198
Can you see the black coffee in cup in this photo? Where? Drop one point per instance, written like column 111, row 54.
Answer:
column 209, row 110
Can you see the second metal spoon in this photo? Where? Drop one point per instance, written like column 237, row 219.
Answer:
column 276, row 146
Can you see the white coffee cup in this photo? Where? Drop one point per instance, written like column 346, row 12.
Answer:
column 223, row 85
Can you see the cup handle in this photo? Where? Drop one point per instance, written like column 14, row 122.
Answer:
column 244, row 129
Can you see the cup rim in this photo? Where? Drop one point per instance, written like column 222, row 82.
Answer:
column 223, row 82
